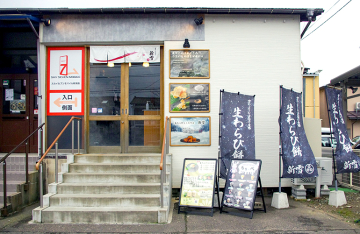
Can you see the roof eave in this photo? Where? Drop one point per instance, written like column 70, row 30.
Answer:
column 163, row 10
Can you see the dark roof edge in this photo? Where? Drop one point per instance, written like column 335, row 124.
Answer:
column 353, row 72
column 144, row 10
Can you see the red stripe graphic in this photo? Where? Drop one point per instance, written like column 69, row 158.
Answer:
column 110, row 60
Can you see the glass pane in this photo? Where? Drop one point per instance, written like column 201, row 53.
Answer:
column 104, row 133
column 36, row 105
column 105, row 89
column 144, row 89
column 144, row 133
column 14, row 96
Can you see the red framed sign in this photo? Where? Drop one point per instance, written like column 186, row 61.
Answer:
column 65, row 80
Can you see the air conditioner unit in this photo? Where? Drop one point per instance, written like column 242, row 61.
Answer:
column 326, row 173
column 357, row 106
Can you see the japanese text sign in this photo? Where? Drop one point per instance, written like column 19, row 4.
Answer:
column 346, row 160
column 297, row 156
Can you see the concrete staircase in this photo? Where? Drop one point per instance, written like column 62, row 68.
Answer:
column 107, row 189
column 18, row 193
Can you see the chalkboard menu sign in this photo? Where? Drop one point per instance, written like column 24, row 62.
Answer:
column 198, row 183
column 241, row 184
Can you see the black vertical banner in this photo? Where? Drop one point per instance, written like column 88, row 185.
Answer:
column 297, row 156
column 237, row 129
column 346, row 160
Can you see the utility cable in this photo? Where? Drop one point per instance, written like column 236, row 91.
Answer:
column 326, row 20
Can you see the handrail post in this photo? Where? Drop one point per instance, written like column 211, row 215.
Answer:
column 4, row 211
column 162, row 188
column 41, row 142
column 56, row 162
column 72, row 137
column 78, row 136
column 41, row 184
column 26, row 165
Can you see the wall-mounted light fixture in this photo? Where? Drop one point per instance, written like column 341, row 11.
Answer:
column 110, row 64
column 129, row 64
column 199, row 21
column 46, row 22
column 353, row 89
column 146, row 64
column 186, row 44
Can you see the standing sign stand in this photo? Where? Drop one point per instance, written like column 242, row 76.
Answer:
column 280, row 200
column 198, row 185
column 241, row 187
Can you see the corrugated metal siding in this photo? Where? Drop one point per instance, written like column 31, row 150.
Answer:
column 251, row 56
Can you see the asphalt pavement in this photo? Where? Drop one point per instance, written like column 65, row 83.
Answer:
column 298, row 218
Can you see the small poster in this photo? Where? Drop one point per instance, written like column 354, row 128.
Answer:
column 241, row 184
column 17, row 105
column 189, row 63
column 9, row 94
column 189, row 97
column 190, row 131
column 198, row 183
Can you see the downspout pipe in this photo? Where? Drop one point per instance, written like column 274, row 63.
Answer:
column 39, row 96
column 310, row 14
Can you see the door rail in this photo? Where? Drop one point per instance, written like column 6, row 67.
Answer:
column 4, row 211
column 55, row 142
column 164, row 152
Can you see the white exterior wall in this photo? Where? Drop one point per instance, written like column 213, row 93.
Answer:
column 253, row 55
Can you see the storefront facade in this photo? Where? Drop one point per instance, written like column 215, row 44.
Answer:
column 124, row 107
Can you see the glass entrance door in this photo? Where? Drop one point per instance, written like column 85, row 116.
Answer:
column 124, row 108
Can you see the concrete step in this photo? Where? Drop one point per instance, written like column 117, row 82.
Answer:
column 105, row 200
column 117, row 158
column 10, row 196
column 100, row 215
column 111, row 178
column 101, row 188
column 11, row 186
column 13, row 176
column 17, row 163
column 114, row 168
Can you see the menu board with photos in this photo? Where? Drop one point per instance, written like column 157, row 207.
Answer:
column 198, row 183
column 241, row 184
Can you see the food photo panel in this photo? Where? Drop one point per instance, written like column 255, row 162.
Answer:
column 185, row 97
column 190, row 131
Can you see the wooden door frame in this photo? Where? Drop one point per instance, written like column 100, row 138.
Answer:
column 124, row 108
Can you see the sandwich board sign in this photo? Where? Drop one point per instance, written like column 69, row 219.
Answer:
column 198, row 183
column 241, row 185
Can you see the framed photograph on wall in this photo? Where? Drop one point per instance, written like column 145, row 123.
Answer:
column 189, row 64
column 190, row 131
column 186, row 97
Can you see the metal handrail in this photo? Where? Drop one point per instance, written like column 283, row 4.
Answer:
column 56, row 139
column 12, row 151
column 164, row 152
column 4, row 211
